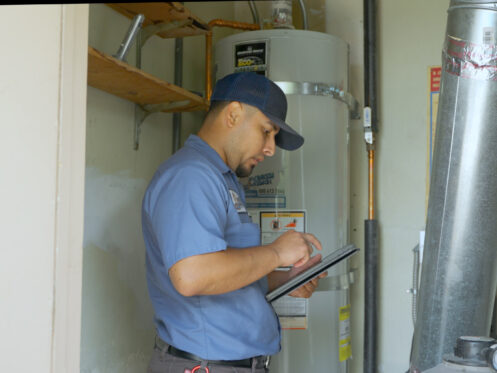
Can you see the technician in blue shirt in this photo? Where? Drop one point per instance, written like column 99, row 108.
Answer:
column 207, row 272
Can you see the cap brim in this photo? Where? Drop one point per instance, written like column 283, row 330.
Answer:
column 287, row 138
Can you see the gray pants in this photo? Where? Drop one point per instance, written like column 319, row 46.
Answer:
column 162, row 362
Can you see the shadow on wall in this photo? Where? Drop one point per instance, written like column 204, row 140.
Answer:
column 117, row 316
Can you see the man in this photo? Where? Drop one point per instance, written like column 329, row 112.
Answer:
column 206, row 270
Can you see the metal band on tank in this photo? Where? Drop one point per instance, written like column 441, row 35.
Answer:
column 479, row 4
column 470, row 60
column 321, row 89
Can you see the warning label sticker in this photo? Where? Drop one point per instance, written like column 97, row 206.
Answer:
column 275, row 223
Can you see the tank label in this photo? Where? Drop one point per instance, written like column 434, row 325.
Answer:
column 264, row 191
column 251, row 57
column 345, row 348
column 265, row 188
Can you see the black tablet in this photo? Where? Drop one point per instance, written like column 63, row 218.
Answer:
column 304, row 277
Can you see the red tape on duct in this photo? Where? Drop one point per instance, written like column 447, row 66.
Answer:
column 470, row 60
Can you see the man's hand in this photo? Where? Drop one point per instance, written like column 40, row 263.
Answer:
column 306, row 290
column 277, row 278
column 294, row 248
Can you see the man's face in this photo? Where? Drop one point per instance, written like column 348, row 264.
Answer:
column 253, row 140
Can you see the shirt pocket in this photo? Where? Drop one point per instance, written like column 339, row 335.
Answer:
column 245, row 218
column 243, row 235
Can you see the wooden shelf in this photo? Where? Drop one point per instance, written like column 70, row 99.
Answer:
column 164, row 13
column 116, row 77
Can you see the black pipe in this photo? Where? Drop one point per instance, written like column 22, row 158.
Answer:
column 371, row 225
column 370, row 61
column 370, row 295
column 178, row 80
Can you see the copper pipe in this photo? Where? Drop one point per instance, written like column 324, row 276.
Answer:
column 208, row 59
column 208, row 47
column 233, row 24
column 371, row 156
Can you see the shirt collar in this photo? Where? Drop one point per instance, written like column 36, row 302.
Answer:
column 208, row 152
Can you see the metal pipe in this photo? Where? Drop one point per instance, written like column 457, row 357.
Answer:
column 178, row 80
column 459, row 277
column 370, row 295
column 370, row 60
column 208, row 61
column 130, row 36
column 371, row 225
column 303, row 10
column 255, row 13
column 208, row 47
column 139, row 113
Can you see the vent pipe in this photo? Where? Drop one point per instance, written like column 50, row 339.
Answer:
column 459, row 273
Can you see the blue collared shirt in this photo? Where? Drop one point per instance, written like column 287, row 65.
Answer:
column 195, row 205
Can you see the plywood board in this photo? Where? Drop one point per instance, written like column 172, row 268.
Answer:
column 164, row 13
column 116, row 77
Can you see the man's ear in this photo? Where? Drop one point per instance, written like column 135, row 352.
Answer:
column 233, row 113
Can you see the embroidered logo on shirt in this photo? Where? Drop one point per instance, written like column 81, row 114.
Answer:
column 237, row 201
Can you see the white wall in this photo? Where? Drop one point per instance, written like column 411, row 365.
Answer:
column 42, row 101
column 117, row 318
column 411, row 38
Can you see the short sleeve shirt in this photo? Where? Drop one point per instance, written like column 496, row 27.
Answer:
column 195, row 205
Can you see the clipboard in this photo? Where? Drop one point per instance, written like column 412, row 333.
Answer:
column 328, row 261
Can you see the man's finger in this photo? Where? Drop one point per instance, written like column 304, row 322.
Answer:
column 316, row 258
column 312, row 239
column 311, row 288
column 302, row 261
column 310, row 249
column 323, row 275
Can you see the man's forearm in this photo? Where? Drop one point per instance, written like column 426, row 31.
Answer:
column 232, row 269
column 222, row 271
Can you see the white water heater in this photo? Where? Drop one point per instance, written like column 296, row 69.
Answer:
column 307, row 189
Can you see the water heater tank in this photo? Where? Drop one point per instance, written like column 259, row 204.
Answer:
column 312, row 70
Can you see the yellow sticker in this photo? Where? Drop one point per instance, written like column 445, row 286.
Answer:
column 344, row 343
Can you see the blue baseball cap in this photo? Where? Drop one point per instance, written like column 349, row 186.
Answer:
column 258, row 91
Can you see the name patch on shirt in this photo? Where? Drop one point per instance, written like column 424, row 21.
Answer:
column 237, row 201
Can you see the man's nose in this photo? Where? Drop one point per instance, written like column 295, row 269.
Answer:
column 270, row 147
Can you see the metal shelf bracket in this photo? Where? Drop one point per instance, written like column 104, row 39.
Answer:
column 143, row 111
column 140, row 116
